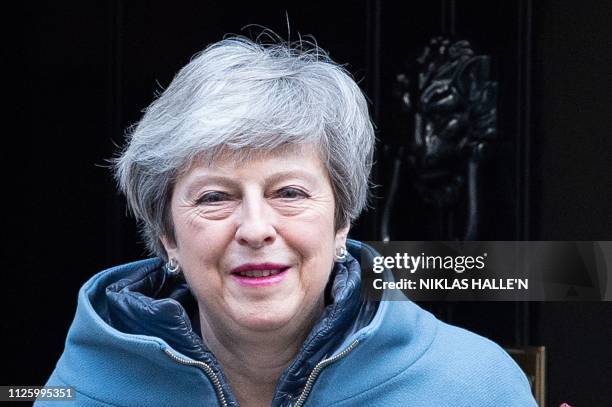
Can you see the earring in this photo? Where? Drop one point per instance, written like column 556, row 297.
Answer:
column 172, row 268
column 341, row 254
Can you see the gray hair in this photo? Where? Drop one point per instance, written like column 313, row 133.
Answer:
column 242, row 97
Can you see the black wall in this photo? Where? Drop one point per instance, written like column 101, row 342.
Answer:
column 573, row 184
column 84, row 72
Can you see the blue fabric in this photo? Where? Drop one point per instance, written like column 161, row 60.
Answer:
column 129, row 316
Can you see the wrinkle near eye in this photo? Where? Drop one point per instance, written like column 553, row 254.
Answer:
column 313, row 205
column 193, row 212
column 216, row 212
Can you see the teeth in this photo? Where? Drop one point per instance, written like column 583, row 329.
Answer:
column 259, row 273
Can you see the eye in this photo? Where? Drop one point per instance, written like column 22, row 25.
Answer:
column 212, row 197
column 291, row 193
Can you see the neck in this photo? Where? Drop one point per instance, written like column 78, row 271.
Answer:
column 253, row 361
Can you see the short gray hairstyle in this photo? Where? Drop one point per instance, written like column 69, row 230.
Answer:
column 240, row 96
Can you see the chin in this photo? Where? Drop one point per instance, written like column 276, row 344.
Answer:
column 264, row 322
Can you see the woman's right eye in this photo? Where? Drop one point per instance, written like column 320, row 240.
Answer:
column 212, row 197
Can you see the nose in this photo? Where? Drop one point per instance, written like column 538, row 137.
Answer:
column 255, row 224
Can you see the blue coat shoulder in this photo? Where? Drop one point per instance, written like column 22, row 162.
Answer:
column 412, row 359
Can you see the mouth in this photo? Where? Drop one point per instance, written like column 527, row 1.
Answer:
column 260, row 274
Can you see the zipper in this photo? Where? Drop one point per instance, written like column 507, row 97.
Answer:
column 317, row 370
column 207, row 369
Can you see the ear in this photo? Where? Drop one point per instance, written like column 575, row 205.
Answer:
column 171, row 247
column 341, row 235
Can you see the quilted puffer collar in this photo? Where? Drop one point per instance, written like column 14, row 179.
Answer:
column 147, row 302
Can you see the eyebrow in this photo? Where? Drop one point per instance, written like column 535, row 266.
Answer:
column 279, row 176
column 199, row 180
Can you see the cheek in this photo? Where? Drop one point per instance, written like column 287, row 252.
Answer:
column 315, row 217
column 201, row 249
column 194, row 223
column 314, row 242
column 201, row 243
column 312, row 236
column 311, row 232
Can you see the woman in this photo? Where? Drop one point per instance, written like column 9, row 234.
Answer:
column 245, row 175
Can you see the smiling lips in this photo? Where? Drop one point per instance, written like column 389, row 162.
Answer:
column 262, row 274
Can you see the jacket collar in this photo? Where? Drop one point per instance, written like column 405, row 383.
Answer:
column 147, row 302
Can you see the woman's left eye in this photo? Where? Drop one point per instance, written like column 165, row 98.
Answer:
column 291, row 193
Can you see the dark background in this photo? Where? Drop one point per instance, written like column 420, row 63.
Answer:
column 85, row 72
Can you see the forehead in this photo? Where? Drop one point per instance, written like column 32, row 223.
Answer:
column 305, row 158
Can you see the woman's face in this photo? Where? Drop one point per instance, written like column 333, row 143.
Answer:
column 256, row 241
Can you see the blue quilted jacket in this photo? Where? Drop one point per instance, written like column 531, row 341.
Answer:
column 135, row 341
